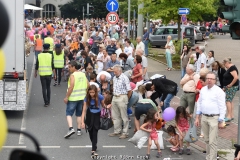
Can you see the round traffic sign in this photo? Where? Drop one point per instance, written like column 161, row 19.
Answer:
column 112, row 18
column 184, row 18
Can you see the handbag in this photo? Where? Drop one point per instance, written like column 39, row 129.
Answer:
column 105, row 120
column 172, row 49
column 191, row 135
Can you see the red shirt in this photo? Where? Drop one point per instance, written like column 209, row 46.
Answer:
column 136, row 70
column 199, row 87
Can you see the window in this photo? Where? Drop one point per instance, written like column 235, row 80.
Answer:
column 159, row 31
column 171, row 31
column 202, row 29
column 189, row 31
column 49, row 11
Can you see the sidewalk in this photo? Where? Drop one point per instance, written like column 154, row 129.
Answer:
column 223, row 46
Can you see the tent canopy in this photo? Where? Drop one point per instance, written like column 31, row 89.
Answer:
column 27, row 6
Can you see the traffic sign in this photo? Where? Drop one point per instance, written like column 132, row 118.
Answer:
column 112, row 5
column 112, row 18
column 184, row 18
column 182, row 11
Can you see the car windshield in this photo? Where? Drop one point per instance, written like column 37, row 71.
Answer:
column 202, row 29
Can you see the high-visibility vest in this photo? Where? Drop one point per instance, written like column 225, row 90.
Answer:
column 45, row 64
column 38, row 36
column 58, row 60
column 50, row 41
column 80, row 87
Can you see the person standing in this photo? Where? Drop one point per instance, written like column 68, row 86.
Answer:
column 50, row 41
column 59, row 63
column 201, row 61
column 38, row 46
column 185, row 59
column 45, row 68
column 140, row 44
column 121, row 94
column 146, row 41
column 111, row 63
column 76, row 92
column 211, row 105
column 168, row 53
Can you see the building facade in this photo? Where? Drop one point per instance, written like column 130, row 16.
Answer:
column 51, row 8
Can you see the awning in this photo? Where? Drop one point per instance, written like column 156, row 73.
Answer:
column 27, row 6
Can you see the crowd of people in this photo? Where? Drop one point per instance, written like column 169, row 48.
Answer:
column 104, row 70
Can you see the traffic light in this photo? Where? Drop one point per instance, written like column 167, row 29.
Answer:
column 90, row 9
column 233, row 15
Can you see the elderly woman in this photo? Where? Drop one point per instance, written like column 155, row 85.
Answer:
column 231, row 86
column 168, row 53
column 137, row 70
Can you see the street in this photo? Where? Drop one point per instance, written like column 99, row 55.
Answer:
column 49, row 125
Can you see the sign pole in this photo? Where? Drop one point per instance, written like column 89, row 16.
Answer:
column 129, row 12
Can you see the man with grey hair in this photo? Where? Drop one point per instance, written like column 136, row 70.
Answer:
column 121, row 94
column 140, row 44
column 201, row 62
column 189, row 83
column 144, row 63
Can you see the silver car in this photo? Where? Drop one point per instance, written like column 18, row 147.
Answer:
column 159, row 36
column 197, row 35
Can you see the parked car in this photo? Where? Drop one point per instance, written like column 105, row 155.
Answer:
column 159, row 36
column 202, row 29
column 198, row 36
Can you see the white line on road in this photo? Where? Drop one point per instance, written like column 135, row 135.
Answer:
column 143, row 146
column 113, row 146
column 14, row 147
column 50, row 146
column 23, row 125
column 87, row 146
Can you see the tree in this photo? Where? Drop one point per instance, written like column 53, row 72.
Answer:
column 74, row 9
column 123, row 8
column 167, row 10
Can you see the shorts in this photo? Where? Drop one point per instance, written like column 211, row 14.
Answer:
column 74, row 106
column 142, row 108
column 230, row 93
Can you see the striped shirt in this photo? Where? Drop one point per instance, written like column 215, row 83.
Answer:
column 121, row 85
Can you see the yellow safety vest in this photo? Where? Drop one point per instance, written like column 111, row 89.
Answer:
column 35, row 37
column 58, row 60
column 50, row 41
column 80, row 87
column 45, row 64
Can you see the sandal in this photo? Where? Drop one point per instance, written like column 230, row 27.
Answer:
column 227, row 119
column 169, row 69
column 201, row 136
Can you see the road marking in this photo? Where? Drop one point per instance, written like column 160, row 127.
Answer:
column 14, row 147
column 23, row 125
column 113, row 146
column 143, row 146
column 87, row 146
column 50, row 146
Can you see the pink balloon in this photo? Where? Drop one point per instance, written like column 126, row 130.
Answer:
column 169, row 114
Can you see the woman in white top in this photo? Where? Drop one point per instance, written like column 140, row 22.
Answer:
column 128, row 49
column 119, row 49
column 100, row 59
column 106, row 58
column 168, row 53
column 210, row 60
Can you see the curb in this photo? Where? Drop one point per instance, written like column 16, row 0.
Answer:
column 162, row 63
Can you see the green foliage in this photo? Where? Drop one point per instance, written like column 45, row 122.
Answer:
column 123, row 8
column 211, row 36
column 74, row 9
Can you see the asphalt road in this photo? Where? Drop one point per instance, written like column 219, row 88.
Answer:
column 49, row 126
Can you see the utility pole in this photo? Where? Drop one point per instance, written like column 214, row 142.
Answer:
column 140, row 21
column 129, row 15
column 87, row 16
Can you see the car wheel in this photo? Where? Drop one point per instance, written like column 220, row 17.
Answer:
column 195, row 41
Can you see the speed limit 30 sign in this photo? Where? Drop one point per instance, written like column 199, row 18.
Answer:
column 112, row 18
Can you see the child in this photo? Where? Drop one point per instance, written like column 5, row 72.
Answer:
column 92, row 110
column 174, row 140
column 182, row 127
column 150, row 126
column 107, row 98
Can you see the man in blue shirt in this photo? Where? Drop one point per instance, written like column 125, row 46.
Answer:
column 111, row 63
column 146, row 41
column 112, row 47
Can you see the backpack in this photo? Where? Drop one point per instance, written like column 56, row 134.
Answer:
column 172, row 49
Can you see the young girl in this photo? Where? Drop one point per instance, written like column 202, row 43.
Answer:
column 174, row 139
column 150, row 126
column 92, row 109
column 182, row 127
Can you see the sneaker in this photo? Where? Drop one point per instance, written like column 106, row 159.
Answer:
column 46, row 105
column 70, row 132
column 159, row 154
column 147, row 156
column 188, row 152
column 129, row 125
column 94, row 155
column 114, row 134
column 79, row 133
column 123, row 136
column 180, row 151
column 54, row 84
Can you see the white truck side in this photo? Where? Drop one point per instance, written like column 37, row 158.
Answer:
column 13, row 85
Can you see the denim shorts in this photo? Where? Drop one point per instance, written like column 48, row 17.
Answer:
column 74, row 106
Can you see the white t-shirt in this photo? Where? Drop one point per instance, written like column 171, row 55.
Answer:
column 100, row 57
column 140, row 46
column 202, row 59
column 128, row 51
column 118, row 52
column 108, row 76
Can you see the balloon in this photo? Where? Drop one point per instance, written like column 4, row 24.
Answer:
column 169, row 114
column 2, row 64
column 4, row 25
column 3, row 128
